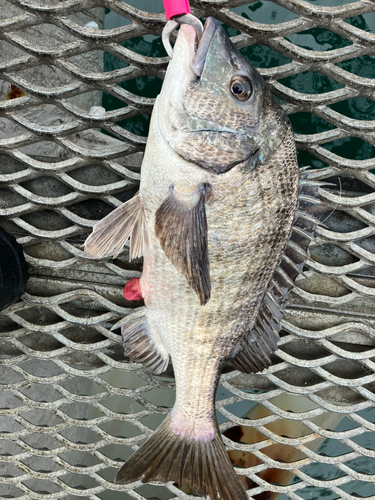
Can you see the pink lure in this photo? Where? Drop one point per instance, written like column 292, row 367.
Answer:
column 132, row 290
column 176, row 8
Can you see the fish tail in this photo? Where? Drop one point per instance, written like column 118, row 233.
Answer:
column 204, row 466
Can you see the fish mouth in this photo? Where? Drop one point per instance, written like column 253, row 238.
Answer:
column 200, row 50
column 210, row 27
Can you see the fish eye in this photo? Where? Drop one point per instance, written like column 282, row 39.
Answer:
column 241, row 88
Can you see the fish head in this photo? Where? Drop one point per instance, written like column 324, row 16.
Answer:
column 217, row 111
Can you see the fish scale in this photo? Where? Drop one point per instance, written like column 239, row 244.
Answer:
column 216, row 220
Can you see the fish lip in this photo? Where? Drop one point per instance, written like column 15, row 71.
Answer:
column 212, row 131
column 198, row 61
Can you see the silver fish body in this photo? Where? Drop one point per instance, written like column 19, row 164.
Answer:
column 213, row 219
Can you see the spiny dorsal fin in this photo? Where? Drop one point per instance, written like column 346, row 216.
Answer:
column 181, row 226
column 140, row 345
column 252, row 353
column 111, row 233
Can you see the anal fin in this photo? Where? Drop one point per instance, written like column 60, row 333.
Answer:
column 111, row 233
column 181, row 226
column 140, row 345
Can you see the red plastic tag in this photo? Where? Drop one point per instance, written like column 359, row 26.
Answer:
column 176, row 8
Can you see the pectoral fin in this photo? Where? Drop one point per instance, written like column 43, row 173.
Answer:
column 110, row 234
column 181, row 227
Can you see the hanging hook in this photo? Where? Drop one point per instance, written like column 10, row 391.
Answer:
column 172, row 24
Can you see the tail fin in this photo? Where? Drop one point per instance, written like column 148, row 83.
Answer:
column 204, row 466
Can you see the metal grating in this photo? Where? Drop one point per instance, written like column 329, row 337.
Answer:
column 72, row 408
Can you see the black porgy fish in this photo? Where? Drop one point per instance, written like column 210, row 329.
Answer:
column 223, row 221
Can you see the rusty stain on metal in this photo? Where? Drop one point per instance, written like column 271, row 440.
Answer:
column 15, row 92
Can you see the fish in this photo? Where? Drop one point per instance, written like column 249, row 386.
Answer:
column 223, row 219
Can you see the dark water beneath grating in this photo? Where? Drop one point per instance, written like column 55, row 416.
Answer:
column 357, row 108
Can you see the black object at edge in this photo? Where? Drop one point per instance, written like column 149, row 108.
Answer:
column 13, row 270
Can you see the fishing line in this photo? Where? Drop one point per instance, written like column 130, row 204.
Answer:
column 334, row 210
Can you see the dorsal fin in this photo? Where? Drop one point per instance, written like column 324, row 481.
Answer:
column 252, row 353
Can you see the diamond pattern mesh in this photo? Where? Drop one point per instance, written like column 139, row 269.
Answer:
column 71, row 407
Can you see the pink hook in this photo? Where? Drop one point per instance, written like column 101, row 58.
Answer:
column 176, row 8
